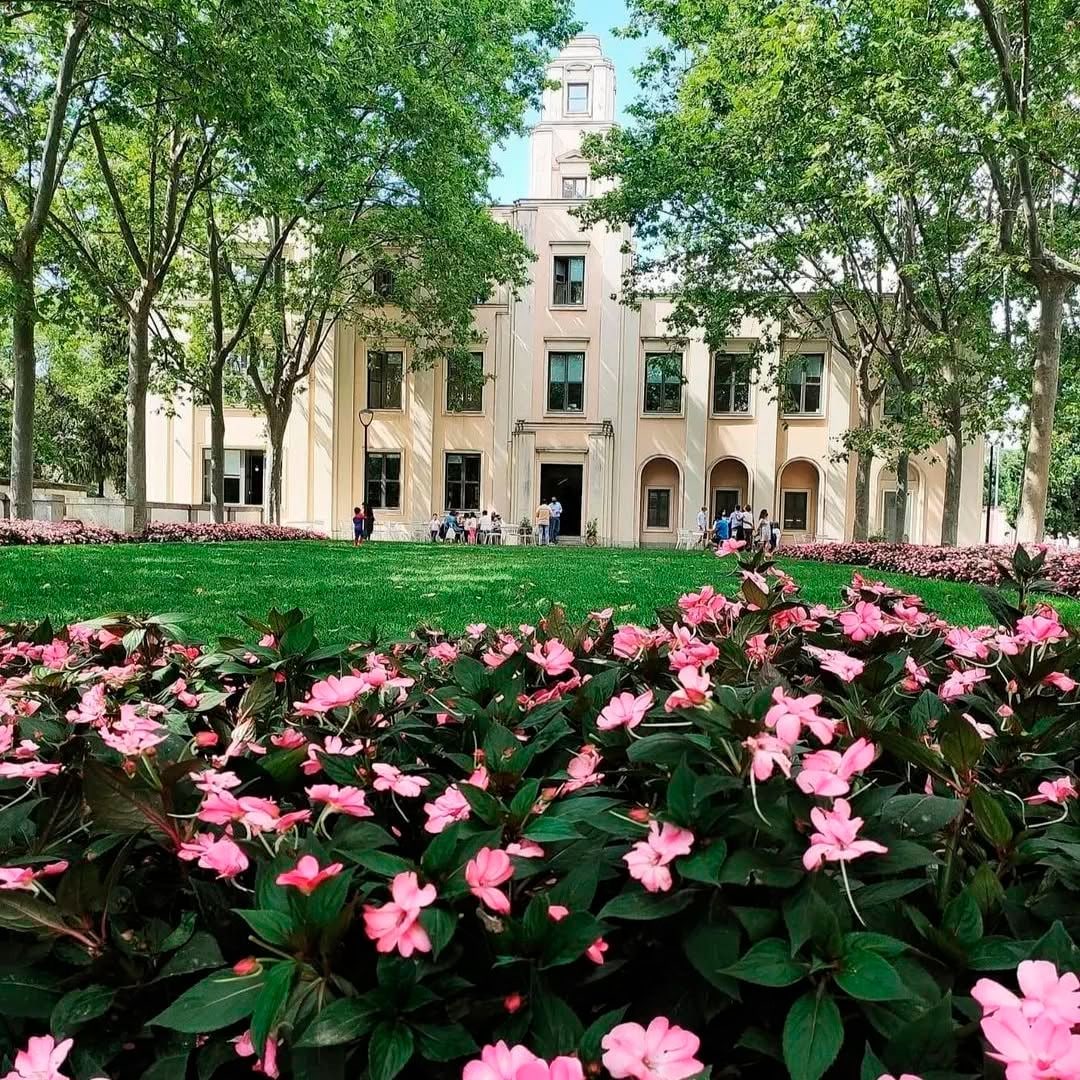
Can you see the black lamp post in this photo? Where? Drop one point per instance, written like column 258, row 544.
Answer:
column 366, row 416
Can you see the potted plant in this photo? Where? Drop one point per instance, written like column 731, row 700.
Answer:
column 592, row 533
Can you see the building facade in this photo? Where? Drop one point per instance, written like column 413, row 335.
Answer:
column 585, row 398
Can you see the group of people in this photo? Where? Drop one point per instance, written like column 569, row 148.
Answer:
column 548, row 521
column 739, row 524
column 363, row 523
column 466, row 527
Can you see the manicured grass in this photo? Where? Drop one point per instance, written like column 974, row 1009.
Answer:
column 391, row 587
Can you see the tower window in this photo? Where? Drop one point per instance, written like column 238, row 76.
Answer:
column 573, row 187
column 577, row 97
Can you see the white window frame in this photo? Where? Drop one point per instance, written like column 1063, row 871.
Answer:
column 784, row 493
column 799, row 358
column 385, row 451
column 569, row 304
column 646, row 527
column 587, row 111
column 583, row 180
column 243, row 451
column 663, row 413
column 738, row 413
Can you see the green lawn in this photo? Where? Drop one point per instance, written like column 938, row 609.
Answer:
column 390, row 586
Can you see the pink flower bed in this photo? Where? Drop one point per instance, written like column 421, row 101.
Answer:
column 757, row 837
column 974, row 565
column 13, row 532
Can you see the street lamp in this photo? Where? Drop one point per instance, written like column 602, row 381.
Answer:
column 366, row 416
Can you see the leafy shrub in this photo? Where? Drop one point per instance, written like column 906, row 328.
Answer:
column 17, row 531
column 755, row 836
column 981, row 565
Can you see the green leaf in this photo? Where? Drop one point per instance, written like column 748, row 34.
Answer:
column 547, row 830
column 270, row 1002
column 77, row 1007
column 990, row 819
column 712, row 948
column 926, row 1042
column 523, row 802
column 886, row 892
column 486, row 807
column 440, row 925
column 216, row 1002
column 28, row 993
column 961, row 745
column 389, row 1051
column 927, row 710
column 555, row 1025
column 1058, row 947
column 963, row 919
column 184, row 929
column 680, row 794
column 809, row 916
column 342, row 1021
column 998, row 954
column 872, row 1066
column 665, row 749
column 921, row 814
column 813, row 1035
column 117, row 805
column 644, row 905
column 200, row 952
column 471, row 676
column 444, row 1042
column 590, row 1049
column 868, row 976
column 768, row 963
column 704, row 864
column 274, row 927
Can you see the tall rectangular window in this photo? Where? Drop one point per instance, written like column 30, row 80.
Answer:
column 794, row 510
column 569, row 278
column 566, row 382
column 574, row 187
column 465, row 383
column 577, row 97
column 462, row 481
column 243, row 477
column 663, row 382
column 803, row 384
column 382, row 282
column 658, row 508
column 384, row 374
column 731, row 383
column 383, row 487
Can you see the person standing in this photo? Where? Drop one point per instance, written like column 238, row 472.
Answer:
column 434, row 526
column 485, row 527
column 774, row 534
column 703, row 526
column 723, row 529
column 764, row 530
column 735, row 523
column 369, row 521
column 471, row 525
column 748, row 524
column 357, row 526
column 555, row 527
column 543, row 521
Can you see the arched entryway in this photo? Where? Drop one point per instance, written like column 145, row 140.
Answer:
column 886, row 504
column 799, row 486
column 660, row 501
column 729, row 486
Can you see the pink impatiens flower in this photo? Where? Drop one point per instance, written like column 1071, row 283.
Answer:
column 648, row 859
column 391, row 778
column 502, row 1062
column 484, row 873
column 695, row 688
column 662, row 1051
column 23, row 877
column 41, row 1060
column 863, row 621
column 1042, row 628
column 828, row 773
column 961, row 682
column 1045, row 994
column 916, row 676
column 444, row 652
column 449, row 807
column 267, row 1064
column 788, row 715
column 215, row 853
column 1032, row 1050
column 332, row 693
column 1057, row 791
column 396, row 925
column 844, row 667
column 1060, row 681
column 341, row 800
column 582, row 770
column 729, row 547
column 835, row 839
column 625, row 710
column 553, row 657
column 307, row 876
column 768, row 752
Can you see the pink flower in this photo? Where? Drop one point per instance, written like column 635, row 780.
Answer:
column 332, row 693
column 1045, row 994
column 1036, row 1050
column 967, row 643
column 705, row 606
column 631, row 641
column 863, row 621
column 553, row 657
column 183, row 695
column 444, row 652
column 648, row 859
column 17, row 877
column 595, row 952
column 828, row 773
column 391, row 778
column 27, row 770
column 526, row 849
column 267, row 1064
column 557, row 912
column 396, row 925
column 625, row 710
column 915, row 678
column 307, row 876
column 1060, row 681
column 41, row 1060
column 985, row 731
column 729, row 547
column 289, row 739
column 758, row 650
column 215, row 853
column 500, row 1062
column 767, row 753
column 902, row 1076
column 788, row 715
column 835, row 840
column 960, row 682
column 695, row 688
column 602, row 616
column 488, row 869
column 582, row 770
column 844, row 667
column 1057, row 791
column 475, row 630
column 1041, row 628
column 449, row 807
column 341, row 800
column 662, row 1051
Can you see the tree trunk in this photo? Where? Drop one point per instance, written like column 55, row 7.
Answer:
column 137, row 385
column 1044, row 390
column 277, row 420
column 217, row 439
column 860, row 529
column 23, row 317
column 900, row 522
column 954, row 452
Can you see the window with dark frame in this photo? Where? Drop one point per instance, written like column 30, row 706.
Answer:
column 382, row 282
column 731, row 383
column 383, row 487
column 465, row 383
column 569, row 280
column 462, row 481
column 796, row 507
column 574, row 187
column 803, row 384
column 663, row 383
column 244, row 471
column 566, row 382
column 658, row 508
column 577, row 97
column 384, row 376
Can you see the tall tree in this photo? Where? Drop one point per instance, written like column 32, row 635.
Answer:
column 40, row 51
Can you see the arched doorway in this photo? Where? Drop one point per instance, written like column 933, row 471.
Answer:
column 799, row 486
column 660, row 501
column 729, row 486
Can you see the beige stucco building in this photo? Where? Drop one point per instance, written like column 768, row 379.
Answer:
column 576, row 402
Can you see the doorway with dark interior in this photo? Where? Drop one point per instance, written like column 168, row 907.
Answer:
column 564, row 483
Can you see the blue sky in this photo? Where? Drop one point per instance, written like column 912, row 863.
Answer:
column 597, row 17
